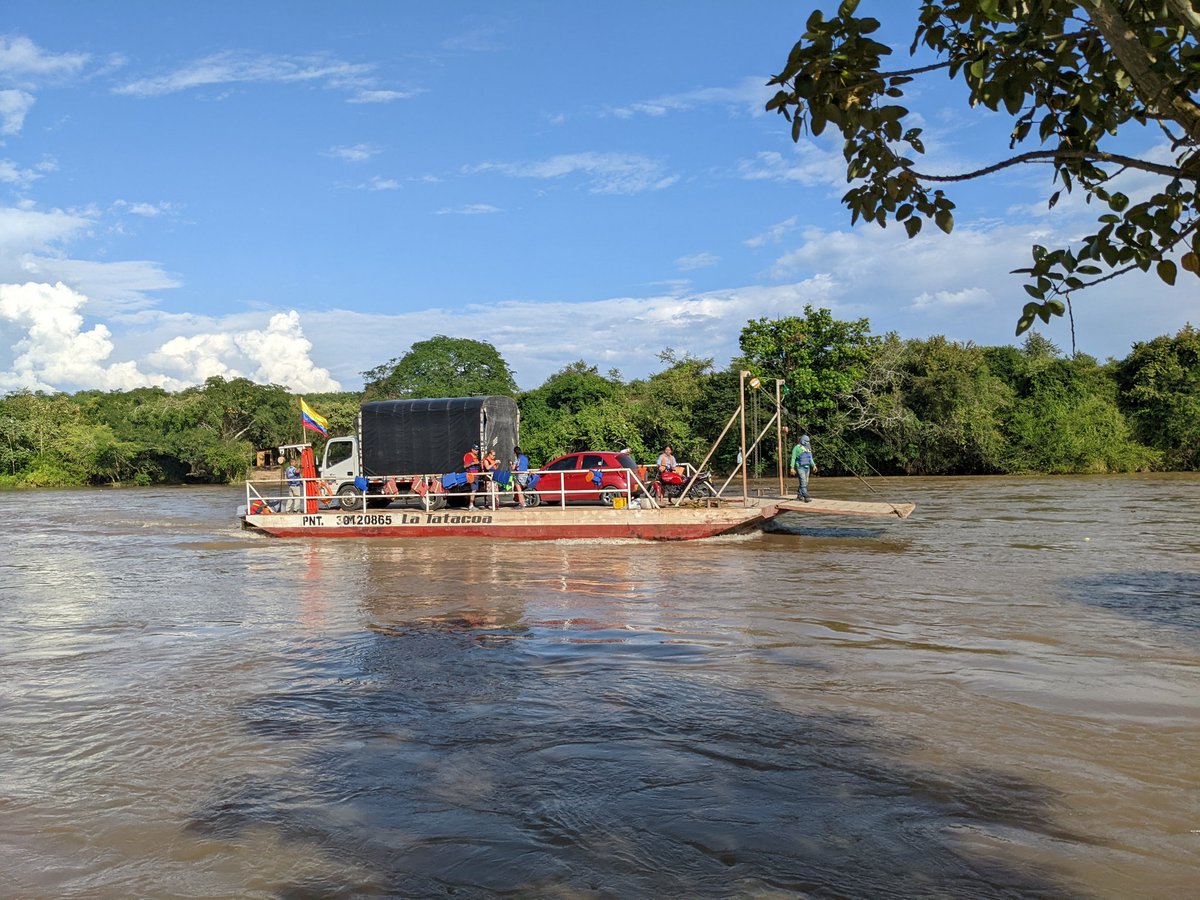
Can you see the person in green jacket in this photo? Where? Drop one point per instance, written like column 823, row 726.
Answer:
column 802, row 465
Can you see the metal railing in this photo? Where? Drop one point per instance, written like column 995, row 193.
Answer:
column 276, row 497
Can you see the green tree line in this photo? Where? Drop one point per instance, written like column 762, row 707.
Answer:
column 873, row 403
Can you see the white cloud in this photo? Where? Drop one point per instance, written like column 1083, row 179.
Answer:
column 378, row 183
column 607, row 173
column 201, row 355
column 242, row 68
column 959, row 285
column 112, row 288
column 13, row 107
column 10, row 173
column 479, row 39
column 772, row 235
column 812, row 167
column 378, row 96
column 356, row 154
column 282, row 353
column 276, row 354
column 626, row 333
column 697, row 261
column 471, row 209
column 22, row 59
column 975, row 296
column 146, row 210
column 56, row 352
column 26, row 230
column 750, row 96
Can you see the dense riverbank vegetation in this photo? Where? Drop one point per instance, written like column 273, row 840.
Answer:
column 872, row 404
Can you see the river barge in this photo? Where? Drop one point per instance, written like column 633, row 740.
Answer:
column 547, row 522
column 576, row 502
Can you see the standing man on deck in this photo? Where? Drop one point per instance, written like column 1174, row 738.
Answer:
column 520, row 469
column 471, row 466
column 802, row 465
column 293, row 482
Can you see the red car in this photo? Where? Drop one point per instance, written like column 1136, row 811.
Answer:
column 575, row 474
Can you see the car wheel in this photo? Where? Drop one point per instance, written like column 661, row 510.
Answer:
column 350, row 497
column 608, row 495
column 532, row 498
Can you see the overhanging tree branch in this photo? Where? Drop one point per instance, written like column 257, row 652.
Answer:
column 1156, row 92
column 1073, row 74
column 1128, row 162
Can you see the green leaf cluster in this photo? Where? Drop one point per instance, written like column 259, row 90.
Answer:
column 1071, row 75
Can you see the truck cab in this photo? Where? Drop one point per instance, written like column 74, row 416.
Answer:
column 340, row 468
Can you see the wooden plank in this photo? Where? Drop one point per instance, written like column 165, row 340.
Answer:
column 848, row 507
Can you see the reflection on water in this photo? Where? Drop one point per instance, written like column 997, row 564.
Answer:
column 1166, row 598
column 998, row 697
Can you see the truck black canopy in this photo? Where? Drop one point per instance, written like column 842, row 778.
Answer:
column 422, row 437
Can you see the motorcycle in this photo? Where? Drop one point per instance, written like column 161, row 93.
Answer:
column 670, row 484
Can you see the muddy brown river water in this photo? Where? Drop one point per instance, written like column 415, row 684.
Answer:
column 999, row 697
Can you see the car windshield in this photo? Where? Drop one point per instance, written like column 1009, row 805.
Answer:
column 626, row 460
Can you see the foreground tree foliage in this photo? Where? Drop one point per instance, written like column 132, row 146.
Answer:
column 442, row 367
column 576, row 408
column 818, row 357
column 1160, row 394
column 1073, row 76
column 872, row 404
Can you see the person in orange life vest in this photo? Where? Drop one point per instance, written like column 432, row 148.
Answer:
column 471, row 467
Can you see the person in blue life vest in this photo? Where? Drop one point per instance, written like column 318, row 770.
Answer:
column 802, row 465
column 520, row 469
column 293, row 482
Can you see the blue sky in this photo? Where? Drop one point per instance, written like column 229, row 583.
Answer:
column 296, row 192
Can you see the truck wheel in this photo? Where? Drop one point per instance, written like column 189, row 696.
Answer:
column 350, row 497
column 433, row 501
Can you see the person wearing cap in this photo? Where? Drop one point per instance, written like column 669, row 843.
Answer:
column 294, row 483
column 520, row 469
column 802, row 465
column 471, row 467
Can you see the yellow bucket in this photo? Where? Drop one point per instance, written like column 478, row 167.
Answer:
column 619, row 502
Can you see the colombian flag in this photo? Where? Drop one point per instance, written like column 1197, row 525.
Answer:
column 313, row 421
